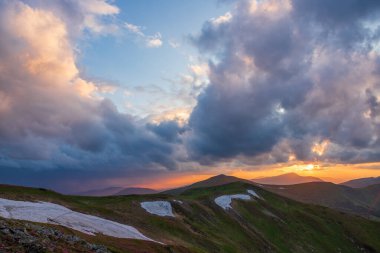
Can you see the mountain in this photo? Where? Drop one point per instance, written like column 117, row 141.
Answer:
column 212, row 181
column 135, row 191
column 286, row 179
column 100, row 192
column 362, row 182
column 362, row 201
column 267, row 223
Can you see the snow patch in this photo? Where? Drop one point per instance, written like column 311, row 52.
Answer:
column 160, row 208
column 225, row 200
column 45, row 212
column 177, row 201
column 254, row 194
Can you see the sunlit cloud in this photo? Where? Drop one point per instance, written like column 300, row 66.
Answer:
column 222, row 19
column 154, row 41
column 320, row 148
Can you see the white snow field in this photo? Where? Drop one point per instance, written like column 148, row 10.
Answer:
column 160, row 208
column 45, row 212
column 225, row 200
column 254, row 194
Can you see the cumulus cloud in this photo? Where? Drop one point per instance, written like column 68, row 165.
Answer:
column 52, row 117
column 288, row 76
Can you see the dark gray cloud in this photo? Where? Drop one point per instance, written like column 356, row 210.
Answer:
column 345, row 24
column 336, row 13
column 290, row 73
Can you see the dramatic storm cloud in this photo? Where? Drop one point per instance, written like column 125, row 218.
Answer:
column 290, row 79
column 51, row 117
column 286, row 80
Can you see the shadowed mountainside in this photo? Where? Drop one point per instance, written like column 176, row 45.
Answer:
column 362, row 182
column 363, row 201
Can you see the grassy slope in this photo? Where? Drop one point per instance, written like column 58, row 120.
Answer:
column 276, row 224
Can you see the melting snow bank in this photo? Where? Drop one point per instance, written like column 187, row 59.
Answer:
column 45, row 212
column 160, row 208
column 254, row 194
column 225, row 200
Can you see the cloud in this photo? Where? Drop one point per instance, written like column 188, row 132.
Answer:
column 154, row 41
column 221, row 19
column 174, row 44
column 151, row 41
column 94, row 16
column 134, row 29
column 289, row 76
column 52, row 118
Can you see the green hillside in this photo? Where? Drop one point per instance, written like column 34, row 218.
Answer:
column 270, row 224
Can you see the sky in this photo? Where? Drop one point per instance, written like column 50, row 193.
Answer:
column 158, row 94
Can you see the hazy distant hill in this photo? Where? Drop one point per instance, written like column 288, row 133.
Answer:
column 362, row 182
column 135, row 191
column 286, row 179
column 363, row 201
column 117, row 191
column 212, row 181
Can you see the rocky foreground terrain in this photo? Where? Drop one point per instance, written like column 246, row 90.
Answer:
column 16, row 236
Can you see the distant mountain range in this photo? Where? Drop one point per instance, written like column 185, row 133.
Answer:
column 286, row 179
column 114, row 191
column 362, row 182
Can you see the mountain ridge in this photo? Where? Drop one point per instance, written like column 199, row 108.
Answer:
column 286, row 179
column 362, row 182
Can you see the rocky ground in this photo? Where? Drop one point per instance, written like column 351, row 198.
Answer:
column 17, row 236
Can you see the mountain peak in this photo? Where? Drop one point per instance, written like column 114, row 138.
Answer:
column 217, row 180
column 219, row 176
column 291, row 173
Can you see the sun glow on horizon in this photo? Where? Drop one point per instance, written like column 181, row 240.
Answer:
column 329, row 173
